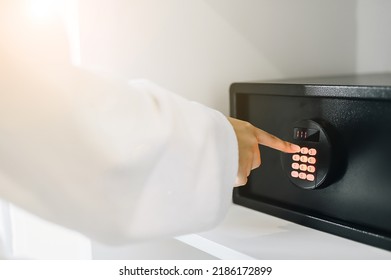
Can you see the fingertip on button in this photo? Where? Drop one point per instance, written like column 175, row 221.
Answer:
column 295, row 148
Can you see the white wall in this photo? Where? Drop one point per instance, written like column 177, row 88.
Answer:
column 5, row 230
column 373, row 36
column 197, row 48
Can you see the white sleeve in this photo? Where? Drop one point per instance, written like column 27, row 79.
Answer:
column 117, row 162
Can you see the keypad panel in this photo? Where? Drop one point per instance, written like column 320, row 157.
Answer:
column 303, row 164
column 309, row 167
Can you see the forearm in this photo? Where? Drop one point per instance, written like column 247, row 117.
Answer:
column 116, row 162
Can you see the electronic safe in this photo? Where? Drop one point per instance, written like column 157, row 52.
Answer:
column 340, row 181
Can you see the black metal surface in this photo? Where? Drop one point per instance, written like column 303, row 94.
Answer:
column 356, row 201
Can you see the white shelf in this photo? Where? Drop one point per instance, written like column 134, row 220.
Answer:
column 260, row 236
column 248, row 234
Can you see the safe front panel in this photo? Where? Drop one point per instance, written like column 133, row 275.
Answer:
column 354, row 200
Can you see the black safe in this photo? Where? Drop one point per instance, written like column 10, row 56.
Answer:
column 340, row 181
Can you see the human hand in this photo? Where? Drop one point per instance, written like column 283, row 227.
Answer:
column 249, row 137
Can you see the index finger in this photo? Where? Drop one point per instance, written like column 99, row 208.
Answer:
column 269, row 140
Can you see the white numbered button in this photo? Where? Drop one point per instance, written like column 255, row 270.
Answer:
column 312, row 152
column 304, row 150
column 295, row 174
column 303, row 167
column 302, row 175
column 296, row 157
column 304, row 159
column 310, row 177
column 311, row 168
column 311, row 160
column 295, row 165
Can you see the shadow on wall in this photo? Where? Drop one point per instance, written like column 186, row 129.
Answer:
column 197, row 48
column 301, row 38
column 5, row 230
column 374, row 41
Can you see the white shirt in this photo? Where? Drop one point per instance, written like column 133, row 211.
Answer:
column 116, row 161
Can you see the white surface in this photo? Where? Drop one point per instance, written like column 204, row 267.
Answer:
column 34, row 238
column 247, row 234
column 244, row 234
column 262, row 236
column 212, row 248
column 5, row 230
column 167, row 249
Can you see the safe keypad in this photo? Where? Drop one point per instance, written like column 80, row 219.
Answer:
column 303, row 165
